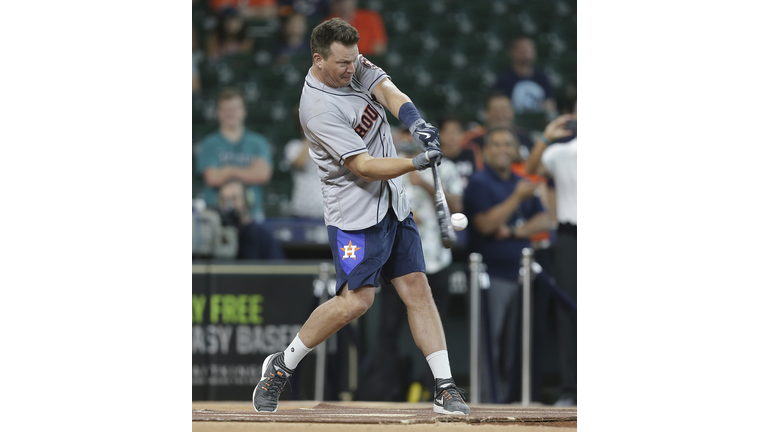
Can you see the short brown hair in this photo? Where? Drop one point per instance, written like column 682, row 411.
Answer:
column 229, row 93
column 496, row 94
column 328, row 32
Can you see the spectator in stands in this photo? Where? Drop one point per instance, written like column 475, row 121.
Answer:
column 370, row 26
column 254, row 241
column 307, row 195
column 229, row 36
column 294, row 38
column 503, row 214
column 419, row 187
column 528, row 87
column 248, row 9
column 314, row 10
column 467, row 160
column 233, row 152
column 499, row 113
column 554, row 155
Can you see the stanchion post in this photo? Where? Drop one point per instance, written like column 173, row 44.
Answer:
column 475, row 263
column 322, row 282
column 527, row 262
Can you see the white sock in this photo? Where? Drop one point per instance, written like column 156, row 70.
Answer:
column 438, row 362
column 295, row 352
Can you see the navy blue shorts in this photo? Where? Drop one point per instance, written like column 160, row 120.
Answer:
column 389, row 248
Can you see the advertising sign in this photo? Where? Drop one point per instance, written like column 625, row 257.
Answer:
column 240, row 315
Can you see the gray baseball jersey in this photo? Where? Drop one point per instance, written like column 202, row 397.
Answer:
column 343, row 122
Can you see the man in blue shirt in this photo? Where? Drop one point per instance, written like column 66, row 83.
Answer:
column 503, row 214
column 529, row 88
column 235, row 153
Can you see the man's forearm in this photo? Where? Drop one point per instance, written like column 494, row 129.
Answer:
column 535, row 225
column 391, row 97
column 373, row 169
column 252, row 175
column 489, row 221
column 215, row 177
column 534, row 158
column 258, row 172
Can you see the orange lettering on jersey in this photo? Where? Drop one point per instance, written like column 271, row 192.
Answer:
column 361, row 131
column 370, row 115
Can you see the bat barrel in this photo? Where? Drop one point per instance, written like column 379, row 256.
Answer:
column 447, row 234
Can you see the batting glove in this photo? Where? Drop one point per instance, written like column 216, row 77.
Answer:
column 432, row 156
column 425, row 134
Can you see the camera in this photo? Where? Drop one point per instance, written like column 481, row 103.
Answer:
column 229, row 215
column 571, row 126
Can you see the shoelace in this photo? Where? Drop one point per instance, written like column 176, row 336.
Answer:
column 279, row 380
column 451, row 391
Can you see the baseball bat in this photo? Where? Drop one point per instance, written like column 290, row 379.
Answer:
column 447, row 234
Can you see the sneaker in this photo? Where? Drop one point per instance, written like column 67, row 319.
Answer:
column 449, row 399
column 274, row 375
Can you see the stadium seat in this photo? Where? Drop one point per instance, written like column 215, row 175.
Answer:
column 422, row 47
column 235, row 69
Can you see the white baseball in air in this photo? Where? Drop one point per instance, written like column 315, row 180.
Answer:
column 459, row 221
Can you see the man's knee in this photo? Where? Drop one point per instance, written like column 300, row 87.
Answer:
column 415, row 290
column 358, row 302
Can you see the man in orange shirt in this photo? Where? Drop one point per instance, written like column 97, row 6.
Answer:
column 373, row 35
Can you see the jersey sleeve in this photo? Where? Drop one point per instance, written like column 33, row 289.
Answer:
column 336, row 136
column 368, row 74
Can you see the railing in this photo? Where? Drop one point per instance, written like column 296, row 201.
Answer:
column 475, row 267
column 527, row 327
column 323, row 285
column 530, row 271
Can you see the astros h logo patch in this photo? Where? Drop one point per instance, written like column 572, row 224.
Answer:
column 367, row 63
column 351, row 247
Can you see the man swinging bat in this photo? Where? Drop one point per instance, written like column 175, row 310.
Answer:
column 370, row 229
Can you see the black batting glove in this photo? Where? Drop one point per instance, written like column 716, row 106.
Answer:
column 432, row 156
column 425, row 134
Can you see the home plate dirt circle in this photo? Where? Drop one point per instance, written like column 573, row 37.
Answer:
column 337, row 413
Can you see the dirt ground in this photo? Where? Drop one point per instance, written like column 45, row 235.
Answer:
column 294, row 416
